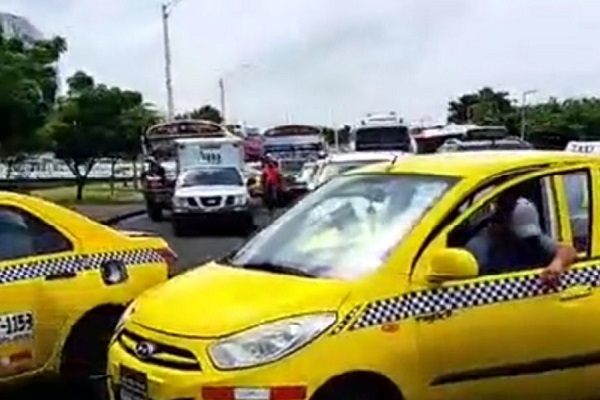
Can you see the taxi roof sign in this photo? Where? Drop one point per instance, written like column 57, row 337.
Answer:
column 583, row 147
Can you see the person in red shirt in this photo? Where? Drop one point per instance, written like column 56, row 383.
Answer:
column 272, row 183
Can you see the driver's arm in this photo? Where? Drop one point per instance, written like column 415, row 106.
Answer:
column 479, row 247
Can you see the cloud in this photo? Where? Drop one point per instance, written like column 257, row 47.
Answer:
column 322, row 60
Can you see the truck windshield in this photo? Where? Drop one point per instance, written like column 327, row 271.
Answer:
column 383, row 137
column 347, row 227
column 212, row 176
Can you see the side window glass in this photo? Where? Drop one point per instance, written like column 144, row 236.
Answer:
column 578, row 200
column 23, row 235
column 513, row 232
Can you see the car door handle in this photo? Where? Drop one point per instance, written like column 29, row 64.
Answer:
column 576, row 292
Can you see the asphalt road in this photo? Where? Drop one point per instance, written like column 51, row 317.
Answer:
column 200, row 246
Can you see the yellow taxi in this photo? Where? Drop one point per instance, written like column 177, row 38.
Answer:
column 65, row 281
column 364, row 290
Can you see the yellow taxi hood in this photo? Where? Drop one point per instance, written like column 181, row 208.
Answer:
column 215, row 300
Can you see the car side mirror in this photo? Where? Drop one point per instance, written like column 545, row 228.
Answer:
column 452, row 264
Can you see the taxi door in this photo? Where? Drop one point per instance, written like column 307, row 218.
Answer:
column 578, row 195
column 19, row 300
column 29, row 324
column 497, row 336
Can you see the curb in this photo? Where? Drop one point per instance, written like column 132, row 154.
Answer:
column 121, row 217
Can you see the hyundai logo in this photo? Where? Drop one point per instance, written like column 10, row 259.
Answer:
column 145, row 350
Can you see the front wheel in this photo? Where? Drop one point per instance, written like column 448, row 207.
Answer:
column 154, row 210
column 179, row 228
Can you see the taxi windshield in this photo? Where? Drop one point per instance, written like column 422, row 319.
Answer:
column 346, row 228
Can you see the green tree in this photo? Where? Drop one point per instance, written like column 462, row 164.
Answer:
column 134, row 121
column 484, row 107
column 28, row 88
column 95, row 121
column 206, row 112
column 329, row 135
column 554, row 123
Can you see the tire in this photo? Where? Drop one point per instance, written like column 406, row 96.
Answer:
column 179, row 228
column 247, row 226
column 358, row 386
column 84, row 357
column 154, row 210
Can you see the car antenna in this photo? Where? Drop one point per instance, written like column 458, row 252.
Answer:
column 393, row 162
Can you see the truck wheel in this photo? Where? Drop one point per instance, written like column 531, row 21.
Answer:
column 155, row 212
column 179, row 228
column 248, row 226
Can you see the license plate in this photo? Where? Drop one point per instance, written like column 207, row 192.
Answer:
column 134, row 385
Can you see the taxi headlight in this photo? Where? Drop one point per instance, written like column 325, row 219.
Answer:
column 268, row 342
column 125, row 317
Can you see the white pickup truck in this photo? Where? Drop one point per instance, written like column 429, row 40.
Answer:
column 210, row 186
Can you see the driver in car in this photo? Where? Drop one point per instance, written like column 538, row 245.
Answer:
column 514, row 241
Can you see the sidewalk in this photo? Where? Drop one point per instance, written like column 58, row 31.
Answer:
column 106, row 212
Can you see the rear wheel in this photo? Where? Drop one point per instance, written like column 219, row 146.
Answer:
column 84, row 356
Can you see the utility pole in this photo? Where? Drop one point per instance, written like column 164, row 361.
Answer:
column 523, row 111
column 166, row 9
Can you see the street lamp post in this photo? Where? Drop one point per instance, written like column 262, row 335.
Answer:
column 523, row 111
column 166, row 9
column 222, row 98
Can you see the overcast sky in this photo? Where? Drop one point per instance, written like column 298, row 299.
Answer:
column 321, row 61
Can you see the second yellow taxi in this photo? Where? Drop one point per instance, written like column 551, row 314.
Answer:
column 65, row 281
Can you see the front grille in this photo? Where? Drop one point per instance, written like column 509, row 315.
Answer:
column 230, row 200
column 164, row 356
column 210, row 201
column 192, row 202
column 116, row 392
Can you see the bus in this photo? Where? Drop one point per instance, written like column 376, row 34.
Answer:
column 292, row 146
column 253, row 140
column 429, row 139
column 161, row 158
column 382, row 132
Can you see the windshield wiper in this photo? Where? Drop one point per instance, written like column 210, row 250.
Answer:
column 277, row 268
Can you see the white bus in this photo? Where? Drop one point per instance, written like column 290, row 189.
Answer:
column 382, row 132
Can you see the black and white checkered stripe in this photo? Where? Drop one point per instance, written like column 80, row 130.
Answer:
column 75, row 264
column 345, row 321
column 414, row 304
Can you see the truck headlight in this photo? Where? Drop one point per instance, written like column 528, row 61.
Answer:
column 240, row 200
column 268, row 342
column 179, row 201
